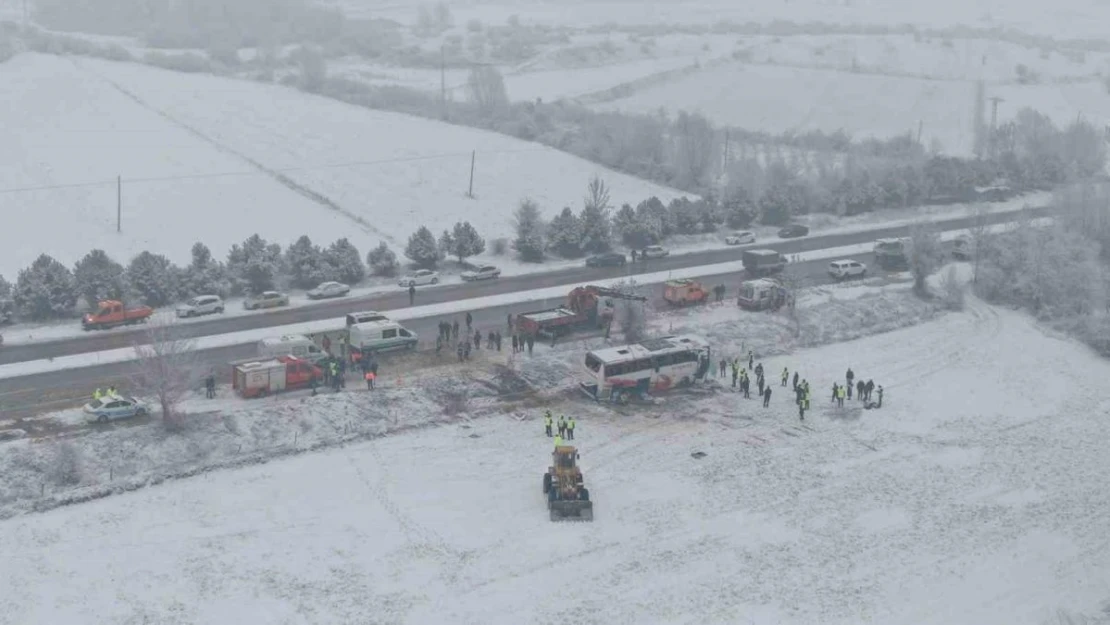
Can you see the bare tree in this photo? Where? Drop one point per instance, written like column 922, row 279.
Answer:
column 630, row 315
column 487, row 88
column 166, row 369
column 597, row 194
column 925, row 255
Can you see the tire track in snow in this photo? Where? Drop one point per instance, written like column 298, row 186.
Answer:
column 276, row 175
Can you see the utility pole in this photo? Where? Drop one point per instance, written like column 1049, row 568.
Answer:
column 920, row 126
column 443, row 83
column 470, row 191
column 119, row 203
column 994, row 122
column 726, row 151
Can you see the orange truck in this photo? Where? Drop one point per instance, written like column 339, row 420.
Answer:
column 111, row 314
column 256, row 378
column 684, row 292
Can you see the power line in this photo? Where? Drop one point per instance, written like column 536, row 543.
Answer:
column 226, row 174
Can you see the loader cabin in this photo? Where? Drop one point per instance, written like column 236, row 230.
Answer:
column 618, row 374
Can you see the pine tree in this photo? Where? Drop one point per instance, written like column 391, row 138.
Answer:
column 685, row 216
column 597, row 233
column 204, row 275
column 422, row 248
column 624, row 221
column 153, row 279
column 305, row 265
column 464, row 241
column 345, row 261
column 529, row 227
column 445, row 242
column 654, row 208
column 5, row 288
column 255, row 265
column 382, row 260
column 45, row 289
column 98, row 277
column 739, row 211
column 564, row 234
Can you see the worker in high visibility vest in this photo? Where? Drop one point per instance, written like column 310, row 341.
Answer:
column 558, row 441
column 97, row 394
column 547, row 423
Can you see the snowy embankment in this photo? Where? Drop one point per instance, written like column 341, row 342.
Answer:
column 876, row 513
column 62, row 363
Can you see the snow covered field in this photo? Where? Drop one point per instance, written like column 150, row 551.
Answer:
column 387, row 173
column 790, row 99
column 1068, row 18
column 63, row 126
column 190, row 177
column 960, row 501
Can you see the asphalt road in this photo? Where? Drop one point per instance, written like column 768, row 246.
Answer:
column 30, row 395
column 335, row 309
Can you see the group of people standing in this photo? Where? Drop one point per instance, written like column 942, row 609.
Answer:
column 565, row 427
column 742, row 382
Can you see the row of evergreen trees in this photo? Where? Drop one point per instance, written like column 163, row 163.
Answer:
column 49, row 289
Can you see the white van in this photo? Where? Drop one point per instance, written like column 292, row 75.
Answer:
column 356, row 318
column 291, row 345
column 381, row 335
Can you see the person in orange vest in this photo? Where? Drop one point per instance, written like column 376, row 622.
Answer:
column 370, row 376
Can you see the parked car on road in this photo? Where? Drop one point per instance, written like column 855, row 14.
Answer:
column 792, row 231
column 655, row 251
column 201, row 305
column 266, row 299
column 418, row 278
column 329, row 289
column 610, row 259
column 844, row 269
column 740, row 238
column 112, row 407
column 485, row 272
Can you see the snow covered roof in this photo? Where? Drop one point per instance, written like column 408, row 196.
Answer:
column 650, row 347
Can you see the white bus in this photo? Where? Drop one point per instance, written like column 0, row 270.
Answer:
column 617, row 374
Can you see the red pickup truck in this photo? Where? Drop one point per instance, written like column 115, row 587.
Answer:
column 111, row 314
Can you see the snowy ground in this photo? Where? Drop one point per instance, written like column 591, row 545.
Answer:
column 245, row 158
column 789, row 99
column 1069, row 18
column 64, row 127
column 961, row 501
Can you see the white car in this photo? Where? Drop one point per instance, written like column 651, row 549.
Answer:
column 485, row 272
column 844, row 269
column 740, row 238
column 655, row 251
column 112, row 407
column 423, row 276
column 201, row 305
column 329, row 289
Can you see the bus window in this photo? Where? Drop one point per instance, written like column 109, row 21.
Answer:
column 593, row 363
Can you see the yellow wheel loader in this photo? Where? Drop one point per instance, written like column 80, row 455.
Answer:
column 567, row 497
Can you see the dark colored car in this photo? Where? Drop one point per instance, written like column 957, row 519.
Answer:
column 793, row 230
column 612, row 259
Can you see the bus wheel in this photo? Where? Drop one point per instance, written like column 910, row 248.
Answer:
column 623, row 397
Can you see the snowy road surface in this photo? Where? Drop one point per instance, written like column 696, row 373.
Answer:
column 976, row 495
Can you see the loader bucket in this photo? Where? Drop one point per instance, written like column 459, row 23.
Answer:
column 571, row 510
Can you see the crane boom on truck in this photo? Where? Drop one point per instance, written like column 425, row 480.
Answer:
column 588, row 305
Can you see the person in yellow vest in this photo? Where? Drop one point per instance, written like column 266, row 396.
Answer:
column 97, row 394
column 785, row 376
column 840, row 392
column 547, row 423
column 562, row 425
column 558, row 441
column 570, row 429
